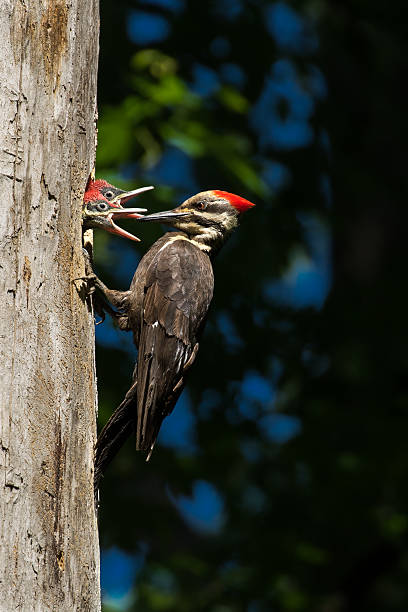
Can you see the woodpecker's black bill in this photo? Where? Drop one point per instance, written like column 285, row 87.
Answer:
column 123, row 197
column 167, row 216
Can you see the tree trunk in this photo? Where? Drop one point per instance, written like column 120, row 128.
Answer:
column 49, row 554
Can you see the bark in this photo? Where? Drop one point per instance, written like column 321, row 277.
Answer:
column 49, row 554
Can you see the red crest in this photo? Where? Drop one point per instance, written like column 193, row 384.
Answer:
column 241, row 204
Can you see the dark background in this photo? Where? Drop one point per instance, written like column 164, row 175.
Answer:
column 279, row 483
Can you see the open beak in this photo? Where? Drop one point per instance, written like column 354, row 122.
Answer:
column 127, row 213
column 166, row 216
column 123, row 213
column 122, row 198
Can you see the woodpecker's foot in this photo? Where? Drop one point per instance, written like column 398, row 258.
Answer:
column 88, row 283
column 99, row 309
column 114, row 299
column 93, row 282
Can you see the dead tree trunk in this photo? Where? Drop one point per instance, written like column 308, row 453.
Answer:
column 49, row 555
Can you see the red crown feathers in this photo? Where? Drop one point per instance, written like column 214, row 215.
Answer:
column 241, row 204
column 100, row 183
column 92, row 193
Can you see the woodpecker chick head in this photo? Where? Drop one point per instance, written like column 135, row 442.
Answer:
column 99, row 212
column 207, row 217
column 114, row 194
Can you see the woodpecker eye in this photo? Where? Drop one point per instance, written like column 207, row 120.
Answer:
column 101, row 206
column 109, row 194
column 202, row 205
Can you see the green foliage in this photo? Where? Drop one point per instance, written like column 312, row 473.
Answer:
column 163, row 111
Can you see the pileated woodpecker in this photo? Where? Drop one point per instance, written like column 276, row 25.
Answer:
column 112, row 193
column 103, row 204
column 166, row 307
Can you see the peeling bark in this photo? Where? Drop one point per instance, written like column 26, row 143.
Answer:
column 49, row 554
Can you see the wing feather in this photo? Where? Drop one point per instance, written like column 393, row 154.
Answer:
column 178, row 291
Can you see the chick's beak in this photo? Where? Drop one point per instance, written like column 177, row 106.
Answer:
column 122, row 198
column 122, row 213
column 118, row 212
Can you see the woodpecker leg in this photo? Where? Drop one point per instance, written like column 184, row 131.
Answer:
column 114, row 298
column 89, row 279
column 90, row 276
column 101, row 307
column 117, row 299
column 90, row 282
column 88, row 290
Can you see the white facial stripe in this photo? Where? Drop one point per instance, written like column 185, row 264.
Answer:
column 202, row 247
column 228, row 221
column 210, row 235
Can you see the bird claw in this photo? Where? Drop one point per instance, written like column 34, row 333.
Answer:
column 88, row 281
column 88, row 278
column 99, row 310
column 90, row 288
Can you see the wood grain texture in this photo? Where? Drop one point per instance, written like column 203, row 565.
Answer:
column 49, row 554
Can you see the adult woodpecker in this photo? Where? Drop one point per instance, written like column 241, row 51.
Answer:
column 166, row 307
column 103, row 206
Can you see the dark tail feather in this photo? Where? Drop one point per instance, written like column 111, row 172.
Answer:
column 115, row 433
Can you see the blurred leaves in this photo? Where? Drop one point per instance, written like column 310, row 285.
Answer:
column 299, row 399
column 163, row 110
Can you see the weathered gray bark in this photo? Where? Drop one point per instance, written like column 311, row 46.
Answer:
column 49, row 555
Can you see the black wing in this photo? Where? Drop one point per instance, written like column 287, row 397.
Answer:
column 178, row 291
